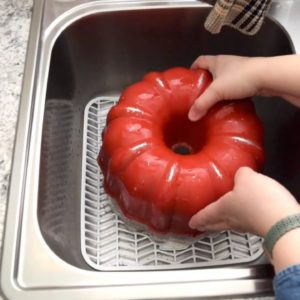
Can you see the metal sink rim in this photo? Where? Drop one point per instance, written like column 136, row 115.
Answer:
column 11, row 283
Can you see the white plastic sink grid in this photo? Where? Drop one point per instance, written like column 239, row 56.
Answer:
column 109, row 243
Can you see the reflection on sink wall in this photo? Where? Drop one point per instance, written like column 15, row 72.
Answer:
column 104, row 53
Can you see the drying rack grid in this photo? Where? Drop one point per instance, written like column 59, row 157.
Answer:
column 108, row 242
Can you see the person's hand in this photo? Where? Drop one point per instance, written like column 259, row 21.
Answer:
column 234, row 77
column 237, row 77
column 254, row 205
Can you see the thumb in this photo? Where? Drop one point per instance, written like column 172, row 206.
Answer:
column 204, row 62
column 211, row 217
column 244, row 175
column 203, row 103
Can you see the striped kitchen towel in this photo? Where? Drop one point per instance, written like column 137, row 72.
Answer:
column 245, row 15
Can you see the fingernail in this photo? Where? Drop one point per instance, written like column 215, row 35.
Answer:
column 192, row 224
column 200, row 228
column 193, row 116
column 195, row 225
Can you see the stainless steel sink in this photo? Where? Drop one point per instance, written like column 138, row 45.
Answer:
column 82, row 49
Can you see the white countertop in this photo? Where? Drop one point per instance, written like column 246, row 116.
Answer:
column 14, row 28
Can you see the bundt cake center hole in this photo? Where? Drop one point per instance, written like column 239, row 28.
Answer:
column 182, row 148
column 182, row 136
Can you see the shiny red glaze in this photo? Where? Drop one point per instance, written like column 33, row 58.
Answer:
column 151, row 183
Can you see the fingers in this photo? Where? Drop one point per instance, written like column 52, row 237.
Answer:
column 204, row 62
column 211, row 218
column 200, row 107
column 210, row 95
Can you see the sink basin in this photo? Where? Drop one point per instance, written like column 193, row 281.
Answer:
column 80, row 50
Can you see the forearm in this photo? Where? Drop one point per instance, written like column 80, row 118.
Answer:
column 280, row 76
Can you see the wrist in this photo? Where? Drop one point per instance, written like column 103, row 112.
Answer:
column 277, row 214
column 286, row 250
column 258, row 73
column 280, row 229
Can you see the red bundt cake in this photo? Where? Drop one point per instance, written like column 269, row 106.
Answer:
column 162, row 168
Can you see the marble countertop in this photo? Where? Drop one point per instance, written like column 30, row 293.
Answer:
column 14, row 29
